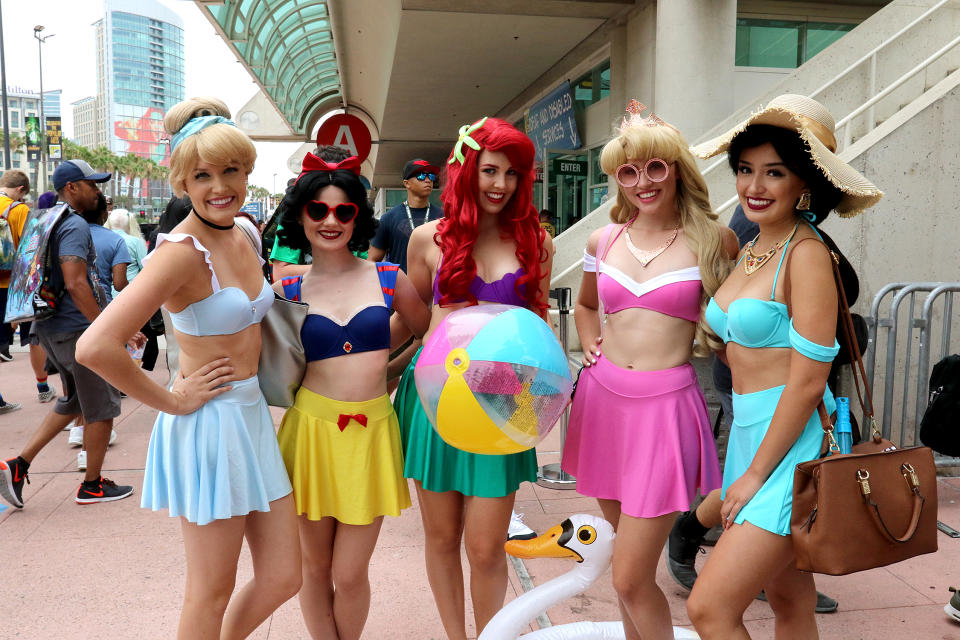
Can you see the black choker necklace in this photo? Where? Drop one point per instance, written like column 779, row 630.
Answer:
column 214, row 225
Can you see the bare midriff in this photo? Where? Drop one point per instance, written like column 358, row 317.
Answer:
column 646, row 340
column 350, row 378
column 243, row 349
column 758, row 369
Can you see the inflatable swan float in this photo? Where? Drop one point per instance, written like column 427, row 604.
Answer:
column 588, row 540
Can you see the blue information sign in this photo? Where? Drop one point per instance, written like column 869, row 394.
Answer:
column 550, row 122
column 255, row 209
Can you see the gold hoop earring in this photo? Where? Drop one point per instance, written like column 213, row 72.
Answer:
column 803, row 204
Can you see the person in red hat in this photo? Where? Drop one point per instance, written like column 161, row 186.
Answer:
column 396, row 225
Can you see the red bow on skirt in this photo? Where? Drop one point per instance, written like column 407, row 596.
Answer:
column 345, row 419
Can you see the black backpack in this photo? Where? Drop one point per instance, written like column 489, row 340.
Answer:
column 940, row 427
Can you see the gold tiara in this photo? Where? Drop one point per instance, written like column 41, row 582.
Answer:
column 635, row 118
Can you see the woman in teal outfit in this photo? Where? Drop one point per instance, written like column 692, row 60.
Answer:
column 780, row 342
column 487, row 248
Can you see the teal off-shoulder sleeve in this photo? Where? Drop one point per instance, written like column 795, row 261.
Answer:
column 811, row 349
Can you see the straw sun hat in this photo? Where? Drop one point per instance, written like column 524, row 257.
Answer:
column 815, row 125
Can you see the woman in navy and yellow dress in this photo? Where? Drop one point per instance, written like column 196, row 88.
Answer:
column 341, row 440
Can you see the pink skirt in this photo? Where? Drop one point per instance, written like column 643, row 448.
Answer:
column 642, row 438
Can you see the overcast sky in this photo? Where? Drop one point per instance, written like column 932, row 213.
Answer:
column 69, row 64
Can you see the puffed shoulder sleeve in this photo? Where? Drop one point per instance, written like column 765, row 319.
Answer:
column 589, row 262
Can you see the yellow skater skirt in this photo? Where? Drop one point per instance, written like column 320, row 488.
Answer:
column 340, row 467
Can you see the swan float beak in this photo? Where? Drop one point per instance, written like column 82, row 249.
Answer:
column 553, row 543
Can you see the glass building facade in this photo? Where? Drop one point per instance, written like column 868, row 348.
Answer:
column 141, row 46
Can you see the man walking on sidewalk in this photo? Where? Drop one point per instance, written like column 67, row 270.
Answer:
column 73, row 257
column 14, row 186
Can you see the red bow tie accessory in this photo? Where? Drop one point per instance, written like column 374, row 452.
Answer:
column 345, row 419
column 313, row 163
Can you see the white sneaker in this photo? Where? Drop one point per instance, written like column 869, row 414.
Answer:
column 82, row 460
column 76, row 437
column 518, row 530
column 47, row 396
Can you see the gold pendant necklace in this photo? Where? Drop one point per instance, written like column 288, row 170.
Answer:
column 752, row 261
column 646, row 257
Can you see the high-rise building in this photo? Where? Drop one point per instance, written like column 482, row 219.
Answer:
column 139, row 76
column 86, row 129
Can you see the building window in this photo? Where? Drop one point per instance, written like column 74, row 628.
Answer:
column 592, row 86
column 784, row 44
column 14, row 119
column 597, row 180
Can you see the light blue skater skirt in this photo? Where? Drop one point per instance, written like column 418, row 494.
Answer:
column 771, row 506
column 217, row 462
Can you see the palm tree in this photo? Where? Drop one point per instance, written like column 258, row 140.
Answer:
column 105, row 160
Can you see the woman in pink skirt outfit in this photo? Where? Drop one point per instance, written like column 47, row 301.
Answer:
column 639, row 439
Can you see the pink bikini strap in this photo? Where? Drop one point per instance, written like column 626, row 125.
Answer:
column 606, row 235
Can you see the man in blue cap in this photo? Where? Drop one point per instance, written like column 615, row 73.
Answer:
column 77, row 300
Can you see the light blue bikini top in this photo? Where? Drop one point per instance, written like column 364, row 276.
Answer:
column 226, row 311
column 755, row 323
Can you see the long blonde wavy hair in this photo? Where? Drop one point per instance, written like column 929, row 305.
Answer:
column 701, row 230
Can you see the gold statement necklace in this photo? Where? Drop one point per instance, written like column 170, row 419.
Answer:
column 646, row 257
column 752, row 261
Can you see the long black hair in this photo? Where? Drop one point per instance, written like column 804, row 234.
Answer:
column 304, row 190
column 795, row 154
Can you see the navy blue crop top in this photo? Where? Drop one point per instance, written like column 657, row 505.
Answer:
column 368, row 329
column 756, row 324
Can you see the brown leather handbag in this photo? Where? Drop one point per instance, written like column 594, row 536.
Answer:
column 869, row 508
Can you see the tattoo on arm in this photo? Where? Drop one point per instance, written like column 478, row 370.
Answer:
column 65, row 259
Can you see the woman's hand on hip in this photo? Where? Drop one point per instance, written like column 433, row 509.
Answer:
column 591, row 354
column 202, row 385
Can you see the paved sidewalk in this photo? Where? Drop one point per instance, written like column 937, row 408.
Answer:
column 115, row 571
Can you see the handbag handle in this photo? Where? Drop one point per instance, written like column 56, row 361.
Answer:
column 845, row 321
column 863, row 478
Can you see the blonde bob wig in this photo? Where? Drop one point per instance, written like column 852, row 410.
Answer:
column 219, row 144
column 701, row 231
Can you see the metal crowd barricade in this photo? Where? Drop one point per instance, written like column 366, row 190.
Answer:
column 901, row 291
column 551, row 475
column 891, row 325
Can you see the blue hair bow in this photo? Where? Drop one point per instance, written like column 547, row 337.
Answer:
column 196, row 125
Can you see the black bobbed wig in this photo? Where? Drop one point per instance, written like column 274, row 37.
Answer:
column 305, row 189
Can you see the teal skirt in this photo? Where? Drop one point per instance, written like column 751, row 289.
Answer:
column 771, row 506
column 440, row 467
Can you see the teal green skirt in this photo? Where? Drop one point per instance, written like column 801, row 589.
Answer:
column 440, row 467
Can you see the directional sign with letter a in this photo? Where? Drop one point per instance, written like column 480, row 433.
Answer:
column 345, row 130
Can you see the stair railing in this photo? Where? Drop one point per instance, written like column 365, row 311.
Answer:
column 870, row 56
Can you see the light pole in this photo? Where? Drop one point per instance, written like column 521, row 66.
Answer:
column 42, row 169
column 3, row 91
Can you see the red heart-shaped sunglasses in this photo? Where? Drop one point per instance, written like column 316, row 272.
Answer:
column 318, row 210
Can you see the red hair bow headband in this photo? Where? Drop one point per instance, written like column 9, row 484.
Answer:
column 313, row 163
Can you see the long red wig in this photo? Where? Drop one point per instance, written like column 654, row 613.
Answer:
column 518, row 222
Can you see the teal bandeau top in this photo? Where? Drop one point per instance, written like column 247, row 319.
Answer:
column 755, row 323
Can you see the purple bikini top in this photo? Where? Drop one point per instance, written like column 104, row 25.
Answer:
column 503, row 290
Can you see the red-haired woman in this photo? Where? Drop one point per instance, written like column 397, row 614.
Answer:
column 488, row 248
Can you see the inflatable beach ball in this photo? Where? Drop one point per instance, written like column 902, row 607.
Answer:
column 493, row 379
